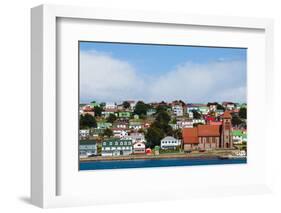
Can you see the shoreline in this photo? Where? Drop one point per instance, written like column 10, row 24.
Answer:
column 156, row 157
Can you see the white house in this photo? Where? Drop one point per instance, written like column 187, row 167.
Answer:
column 119, row 132
column 135, row 125
column 136, row 137
column 139, row 148
column 84, row 133
column 177, row 110
column 229, row 105
column 170, row 142
column 110, row 106
column 185, row 124
column 197, row 121
column 109, row 111
column 87, row 148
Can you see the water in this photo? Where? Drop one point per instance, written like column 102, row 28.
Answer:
column 125, row 164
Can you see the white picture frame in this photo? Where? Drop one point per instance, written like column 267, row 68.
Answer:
column 45, row 171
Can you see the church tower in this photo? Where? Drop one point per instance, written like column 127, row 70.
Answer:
column 226, row 131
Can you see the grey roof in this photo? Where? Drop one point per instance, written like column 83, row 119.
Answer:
column 168, row 138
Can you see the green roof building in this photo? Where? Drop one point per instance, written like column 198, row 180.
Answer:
column 103, row 125
column 239, row 136
column 124, row 114
column 117, row 147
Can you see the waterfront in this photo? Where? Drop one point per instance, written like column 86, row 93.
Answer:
column 125, row 164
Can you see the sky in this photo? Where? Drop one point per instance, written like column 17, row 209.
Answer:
column 114, row 72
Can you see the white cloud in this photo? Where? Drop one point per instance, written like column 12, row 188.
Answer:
column 105, row 78
column 215, row 81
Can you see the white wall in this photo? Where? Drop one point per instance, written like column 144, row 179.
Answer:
column 15, row 88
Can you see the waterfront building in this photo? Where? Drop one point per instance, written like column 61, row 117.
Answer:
column 139, row 148
column 226, row 131
column 87, row 148
column 204, row 137
column 239, row 136
column 84, row 133
column 117, row 147
column 170, row 142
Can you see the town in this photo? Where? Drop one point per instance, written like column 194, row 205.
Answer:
column 139, row 130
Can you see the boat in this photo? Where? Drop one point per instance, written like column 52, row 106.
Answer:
column 238, row 155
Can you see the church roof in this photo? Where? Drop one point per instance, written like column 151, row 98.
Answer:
column 226, row 114
column 191, row 135
column 208, row 130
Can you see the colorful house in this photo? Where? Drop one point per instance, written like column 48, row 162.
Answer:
column 239, row 136
column 103, row 125
column 139, row 148
column 87, row 148
column 204, row 109
column 120, row 132
column 124, row 114
column 135, row 125
column 109, row 111
column 95, row 132
column 84, row 133
column 117, row 147
column 94, row 104
column 136, row 137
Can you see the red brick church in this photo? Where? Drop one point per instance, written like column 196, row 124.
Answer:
column 205, row 137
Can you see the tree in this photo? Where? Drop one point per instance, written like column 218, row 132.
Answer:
column 98, row 111
column 196, row 124
column 154, row 136
column 126, row 104
column 102, row 104
column 87, row 121
column 161, row 108
column 111, row 118
column 243, row 113
column 163, row 117
column 108, row 132
column 177, row 134
column 220, row 107
column 236, row 121
column 196, row 114
column 141, row 108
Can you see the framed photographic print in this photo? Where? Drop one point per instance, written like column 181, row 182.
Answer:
column 140, row 116
column 151, row 106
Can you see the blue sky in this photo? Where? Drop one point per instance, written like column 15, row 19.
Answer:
column 197, row 74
